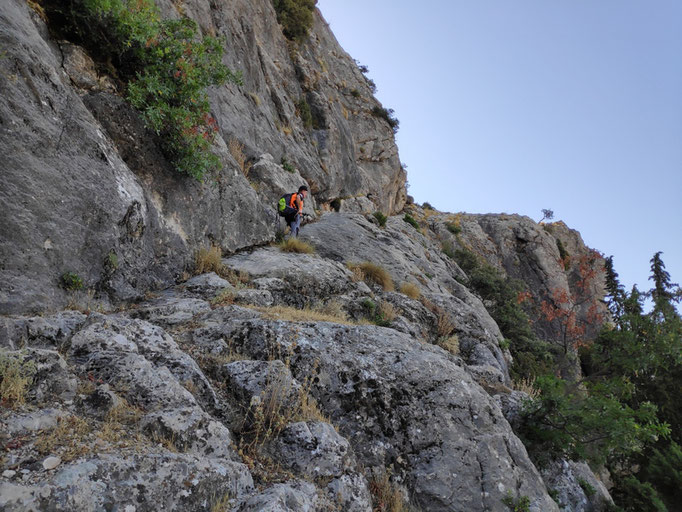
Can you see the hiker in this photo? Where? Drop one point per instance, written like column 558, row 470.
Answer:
column 291, row 208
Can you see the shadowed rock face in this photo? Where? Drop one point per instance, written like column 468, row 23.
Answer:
column 86, row 189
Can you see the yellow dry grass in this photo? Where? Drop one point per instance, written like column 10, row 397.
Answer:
column 295, row 245
column 289, row 314
column 236, row 149
column 386, row 497
column 16, row 376
column 411, row 290
column 450, row 343
column 67, row 439
column 374, row 273
column 208, row 259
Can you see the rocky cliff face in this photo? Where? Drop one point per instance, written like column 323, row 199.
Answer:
column 291, row 382
column 86, row 190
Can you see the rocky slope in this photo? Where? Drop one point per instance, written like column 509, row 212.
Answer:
column 289, row 382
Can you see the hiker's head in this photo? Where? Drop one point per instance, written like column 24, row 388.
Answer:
column 303, row 190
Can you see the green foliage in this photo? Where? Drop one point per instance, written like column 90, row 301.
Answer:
column 636, row 496
column 287, row 166
column 355, row 93
column 167, row 68
column 594, row 425
column 303, row 109
column 427, row 206
column 387, row 115
column 625, row 410
column 381, row 218
column 563, row 254
column 453, row 228
column 586, row 487
column 296, row 17
column 410, row 220
column 170, row 91
column 532, row 357
column 71, row 281
column 522, row 504
column 662, row 468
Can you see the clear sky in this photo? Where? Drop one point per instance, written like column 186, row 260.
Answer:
column 515, row 106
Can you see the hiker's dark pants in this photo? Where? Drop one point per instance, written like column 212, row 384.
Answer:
column 294, row 222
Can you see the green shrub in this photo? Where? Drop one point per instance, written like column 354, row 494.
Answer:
column 587, row 487
column 563, row 254
column 296, row 17
column 355, row 93
column 410, row 220
column 303, row 109
column 387, row 115
column 170, row 91
column 521, row 504
column 381, row 218
column 287, row 166
column 71, row 281
column 637, row 496
column 453, row 228
column 167, row 68
column 427, row 206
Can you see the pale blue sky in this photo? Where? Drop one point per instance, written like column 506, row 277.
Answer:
column 515, row 106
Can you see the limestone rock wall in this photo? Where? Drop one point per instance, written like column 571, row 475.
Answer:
column 86, row 190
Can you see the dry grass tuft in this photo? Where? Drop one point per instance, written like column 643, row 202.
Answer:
column 386, row 311
column 450, row 343
column 16, row 376
column 236, row 149
column 411, row 290
column 527, row 385
column 208, row 260
column 221, row 503
column 386, row 497
column 67, row 439
column 374, row 273
column 289, row 314
column 223, row 298
column 295, row 245
column 444, row 326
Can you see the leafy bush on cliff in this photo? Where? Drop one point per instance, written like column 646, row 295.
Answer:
column 296, row 17
column 388, row 115
column 166, row 65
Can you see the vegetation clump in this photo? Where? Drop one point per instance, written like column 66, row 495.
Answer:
column 411, row 221
column 381, row 218
column 295, row 245
column 411, row 290
column 16, row 376
column 388, row 115
column 71, row 281
column 295, row 17
column 304, row 112
column 622, row 411
column 374, row 273
column 166, row 66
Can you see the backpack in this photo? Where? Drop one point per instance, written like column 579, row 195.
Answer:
column 283, row 207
